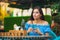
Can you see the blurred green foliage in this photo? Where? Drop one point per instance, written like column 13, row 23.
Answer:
column 57, row 26
column 57, row 19
column 10, row 21
column 54, row 7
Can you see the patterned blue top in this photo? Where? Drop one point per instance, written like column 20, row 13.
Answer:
column 44, row 28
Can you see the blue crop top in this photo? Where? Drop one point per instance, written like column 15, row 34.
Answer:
column 43, row 28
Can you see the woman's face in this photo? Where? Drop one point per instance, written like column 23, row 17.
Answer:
column 36, row 14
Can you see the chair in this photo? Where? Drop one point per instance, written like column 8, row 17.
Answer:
column 57, row 38
column 22, row 32
column 7, row 33
column 54, row 36
column 11, row 30
column 2, row 33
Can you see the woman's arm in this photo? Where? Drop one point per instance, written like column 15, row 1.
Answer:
column 47, row 28
column 27, row 27
column 29, row 30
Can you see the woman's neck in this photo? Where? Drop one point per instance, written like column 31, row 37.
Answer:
column 37, row 21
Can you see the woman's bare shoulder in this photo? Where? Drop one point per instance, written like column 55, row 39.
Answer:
column 30, row 22
column 45, row 22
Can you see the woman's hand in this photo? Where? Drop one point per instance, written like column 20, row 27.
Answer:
column 38, row 31
column 29, row 30
column 46, row 34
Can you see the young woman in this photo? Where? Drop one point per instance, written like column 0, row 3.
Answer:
column 37, row 26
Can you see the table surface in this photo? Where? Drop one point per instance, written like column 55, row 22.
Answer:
column 42, row 36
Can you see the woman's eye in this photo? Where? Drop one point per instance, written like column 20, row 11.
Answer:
column 35, row 12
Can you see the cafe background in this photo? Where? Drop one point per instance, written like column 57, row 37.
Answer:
column 15, row 11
